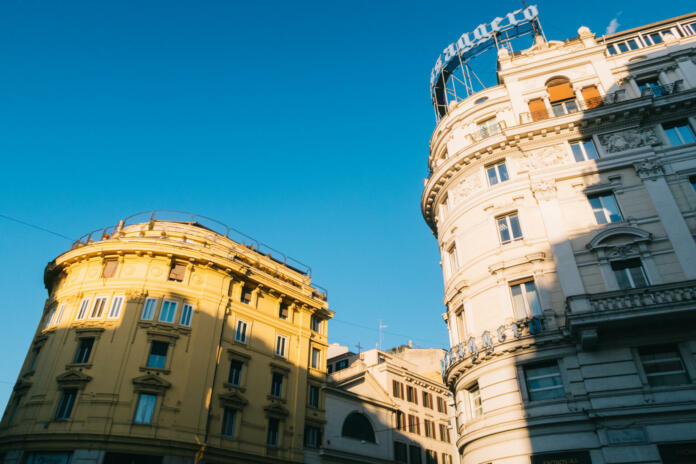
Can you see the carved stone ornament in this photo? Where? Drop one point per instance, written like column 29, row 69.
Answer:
column 544, row 190
column 151, row 383
column 544, row 157
column 468, row 186
column 629, row 139
column 649, row 169
column 622, row 251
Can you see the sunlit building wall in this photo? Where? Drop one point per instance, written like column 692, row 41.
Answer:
column 563, row 200
column 165, row 341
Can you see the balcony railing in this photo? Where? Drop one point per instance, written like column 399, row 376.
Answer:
column 655, row 296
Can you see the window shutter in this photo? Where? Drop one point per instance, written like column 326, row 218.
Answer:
column 537, row 109
column 110, row 268
column 591, row 96
column 177, row 273
column 560, row 92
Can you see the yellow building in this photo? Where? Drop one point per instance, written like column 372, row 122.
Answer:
column 165, row 341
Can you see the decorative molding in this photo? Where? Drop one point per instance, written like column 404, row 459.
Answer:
column 638, row 236
column 233, row 399
column 649, row 169
column 615, row 142
column 544, row 157
column 151, row 383
column 73, row 379
column 544, row 190
column 468, row 186
column 276, row 410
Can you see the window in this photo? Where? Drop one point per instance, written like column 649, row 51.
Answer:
column 357, row 426
column 315, row 323
column 429, row 428
column 446, row 459
column 146, row 408
column 561, row 96
column 488, row 127
column 82, row 312
column 414, row 452
column 228, row 417
column 663, row 365
column 283, row 311
column 65, row 406
column 605, row 208
column 509, row 228
column 34, row 358
column 186, row 314
column 177, row 272
column 430, row 457
column 584, row 150
column 679, row 133
column 497, row 173
column 342, row 364
column 441, row 405
column 411, row 394
column 149, row 309
column 316, row 355
column 413, row 424
column 537, row 109
column 591, row 96
column 98, row 308
column 427, row 400
column 453, row 258
column 525, row 300
column 246, row 294
column 400, row 421
column 400, row 452
column 650, row 86
column 277, row 385
column 84, row 350
column 398, row 389
column 241, row 334
column 116, row 304
column 168, row 311
column 59, row 316
column 235, row 376
column 692, row 181
column 475, row 403
column 564, row 107
column 312, row 436
column 444, row 433
column 49, row 317
column 625, row 46
column 272, row 436
column 544, row 381
column 630, row 273
column 281, row 342
column 313, row 396
column 158, row 355
column 14, row 408
column 110, row 268
column 330, row 368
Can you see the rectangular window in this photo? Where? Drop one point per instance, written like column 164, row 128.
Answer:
column 428, row 425
column 444, row 436
column 446, row 459
column 277, row 385
column 430, row 457
column 315, row 324
column 316, row 356
column 228, row 418
column 177, row 272
column 116, row 304
column 537, row 109
column 149, row 309
column 146, row 408
column 630, row 273
column 246, row 294
column 34, row 358
column 84, row 350
column 49, row 317
column 59, row 316
column 13, row 408
column 313, row 396
column 168, row 311
column 411, row 394
column 427, row 400
column 98, row 308
column 414, row 452
column 186, row 315
column 281, row 342
column 488, row 127
column 509, row 228
column 398, row 389
column 158, row 355
column 342, row 364
column 65, row 406
column 650, row 86
column 235, row 376
column 241, row 333
column 441, row 405
column 413, row 424
column 584, row 150
column 564, row 107
column 82, row 312
column 453, row 258
column 312, row 436
column 400, row 421
column 272, row 437
column 663, row 365
column 110, row 268
column 544, row 381
column 475, row 403
column 525, row 300
column 605, row 208
column 283, row 311
column 400, row 452
column 679, row 133
column 497, row 173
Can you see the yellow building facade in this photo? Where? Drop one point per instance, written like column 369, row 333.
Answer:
column 165, row 341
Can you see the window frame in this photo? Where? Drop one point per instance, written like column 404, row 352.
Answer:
column 508, row 223
column 313, row 401
column 230, row 378
column 667, row 126
column 679, row 357
column 606, row 212
column 529, row 312
column 281, row 349
column 315, row 436
column 116, row 306
column 554, row 362
column 165, row 357
column 82, row 309
column 63, row 412
column 628, row 275
column 277, row 388
column 273, row 432
column 580, row 143
column 80, row 357
column 315, row 361
column 171, row 306
column 495, row 167
column 474, row 400
column 243, row 335
column 229, row 420
column 151, row 416
column 97, row 300
column 149, row 309
column 186, row 314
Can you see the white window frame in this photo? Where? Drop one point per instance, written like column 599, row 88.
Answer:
column 281, row 346
column 581, row 144
column 116, row 307
column 509, row 226
column 152, row 307
column 82, row 309
column 528, row 379
column 314, row 365
column 488, row 127
column 59, row 316
column 675, row 124
column 605, row 211
column 453, row 258
column 100, row 299
column 49, row 318
column 243, row 335
column 627, row 273
column 186, row 315
column 527, row 305
column 171, row 305
column 496, row 168
column 475, row 410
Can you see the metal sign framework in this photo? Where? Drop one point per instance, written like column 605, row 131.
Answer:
column 447, row 85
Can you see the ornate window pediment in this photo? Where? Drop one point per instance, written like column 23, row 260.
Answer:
column 233, row 400
column 276, row 410
column 619, row 241
column 151, row 383
column 73, row 379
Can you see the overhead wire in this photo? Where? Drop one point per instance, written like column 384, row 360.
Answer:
column 19, row 221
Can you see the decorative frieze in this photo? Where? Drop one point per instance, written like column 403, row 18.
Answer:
column 544, row 158
column 615, row 142
column 649, row 169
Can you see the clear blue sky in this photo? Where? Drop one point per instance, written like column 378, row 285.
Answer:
column 305, row 125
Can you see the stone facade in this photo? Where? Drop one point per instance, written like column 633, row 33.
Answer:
column 568, row 252
column 167, row 342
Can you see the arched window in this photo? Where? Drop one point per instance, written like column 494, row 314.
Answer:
column 561, row 96
column 357, row 426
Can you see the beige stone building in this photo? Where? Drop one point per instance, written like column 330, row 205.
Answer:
column 167, row 342
column 564, row 203
column 386, row 407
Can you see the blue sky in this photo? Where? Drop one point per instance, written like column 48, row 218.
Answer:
column 305, row 125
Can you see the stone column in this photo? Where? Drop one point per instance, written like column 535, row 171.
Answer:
column 688, row 70
column 652, row 174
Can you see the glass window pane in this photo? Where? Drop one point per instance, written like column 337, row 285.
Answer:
column 146, row 409
column 577, row 152
column 687, row 134
column 656, row 38
column 638, row 276
column 571, row 106
column 492, row 176
column 533, row 298
column 598, row 210
column 502, row 171
column 590, row 149
column 518, row 302
column 515, row 226
column 623, row 47
column 632, row 44
column 622, row 279
column 673, row 136
column 504, row 230
column 609, row 203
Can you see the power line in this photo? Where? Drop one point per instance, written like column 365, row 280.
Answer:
column 43, row 229
column 383, row 331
